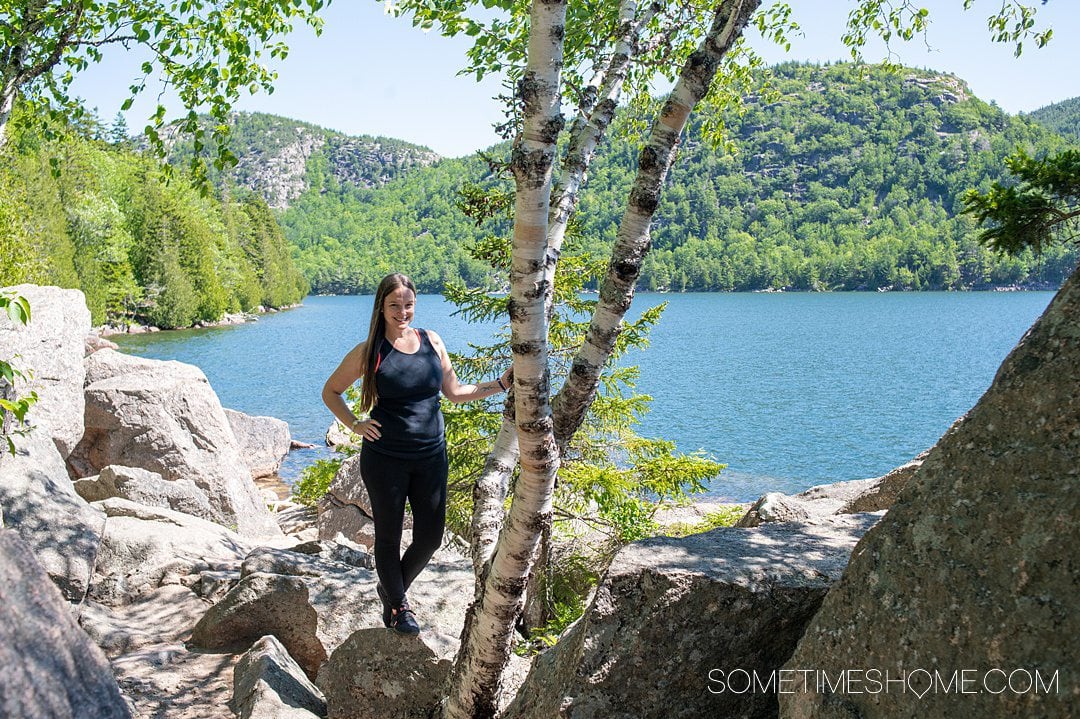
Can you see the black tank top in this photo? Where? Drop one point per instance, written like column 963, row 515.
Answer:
column 407, row 411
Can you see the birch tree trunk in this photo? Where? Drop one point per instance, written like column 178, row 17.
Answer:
column 489, row 623
column 7, row 103
column 633, row 239
column 589, row 127
column 489, row 496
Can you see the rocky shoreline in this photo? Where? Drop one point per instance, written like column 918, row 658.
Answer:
column 228, row 319
column 151, row 566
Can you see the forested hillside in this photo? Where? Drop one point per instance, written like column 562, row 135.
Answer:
column 1061, row 117
column 79, row 211
column 847, row 178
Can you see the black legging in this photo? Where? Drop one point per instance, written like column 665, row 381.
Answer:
column 389, row 481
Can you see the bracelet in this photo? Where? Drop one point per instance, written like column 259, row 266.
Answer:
column 498, row 381
column 352, row 427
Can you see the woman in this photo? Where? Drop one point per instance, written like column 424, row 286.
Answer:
column 403, row 455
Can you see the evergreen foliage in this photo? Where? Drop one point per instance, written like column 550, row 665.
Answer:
column 1061, row 117
column 79, row 212
column 1041, row 207
column 845, row 177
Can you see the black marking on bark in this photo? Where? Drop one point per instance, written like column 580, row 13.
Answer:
column 516, row 310
column 541, row 425
column 606, row 338
column 617, row 293
column 545, row 459
column 537, row 522
column 671, row 107
column 558, row 32
column 525, row 348
column 626, row 270
column 529, row 90
column 699, row 70
column 531, row 166
column 550, row 129
column 606, row 108
column 588, row 96
column 552, row 257
column 645, row 199
column 652, row 160
column 512, row 587
column 581, row 368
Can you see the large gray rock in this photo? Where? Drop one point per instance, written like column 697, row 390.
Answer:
column 348, row 485
column 50, row 667
column 165, row 417
column 51, row 346
column 270, row 560
column 882, row 493
column 262, row 604
column 145, row 547
column 337, row 519
column 377, row 673
column 345, row 509
column 672, row 614
column 269, row 684
column 147, row 488
column 346, row 601
column 320, row 593
column 40, row 504
column 850, row 497
column 975, row 566
column 820, row 501
column 263, row 441
column 338, row 436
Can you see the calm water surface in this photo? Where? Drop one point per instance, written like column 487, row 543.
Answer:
column 789, row 390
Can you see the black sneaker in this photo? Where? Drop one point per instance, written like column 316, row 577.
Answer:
column 403, row 621
column 386, row 611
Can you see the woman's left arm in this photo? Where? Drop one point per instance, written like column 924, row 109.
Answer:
column 457, row 392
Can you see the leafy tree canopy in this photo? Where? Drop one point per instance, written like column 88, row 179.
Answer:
column 207, row 51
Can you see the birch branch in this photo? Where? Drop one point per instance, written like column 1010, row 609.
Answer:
column 633, row 239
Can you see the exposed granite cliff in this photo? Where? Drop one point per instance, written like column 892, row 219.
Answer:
column 273, row 155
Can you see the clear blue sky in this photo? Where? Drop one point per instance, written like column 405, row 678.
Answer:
column 372, row 74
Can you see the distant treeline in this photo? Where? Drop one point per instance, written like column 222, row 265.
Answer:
column 1061, row 117
column 845, row 178
column 82, row 209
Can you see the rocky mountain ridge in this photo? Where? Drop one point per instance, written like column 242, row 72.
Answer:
column 275, row 156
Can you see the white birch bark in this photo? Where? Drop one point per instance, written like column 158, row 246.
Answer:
column 633, row 239
column 588, row 129
column 489, row 625
column 7, row 103
column 489, row 496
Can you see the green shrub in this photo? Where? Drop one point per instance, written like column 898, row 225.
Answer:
column 315, row 481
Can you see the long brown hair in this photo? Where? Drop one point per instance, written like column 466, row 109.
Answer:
column 369, row 396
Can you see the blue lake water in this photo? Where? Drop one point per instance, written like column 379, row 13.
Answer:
column 789, row 390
